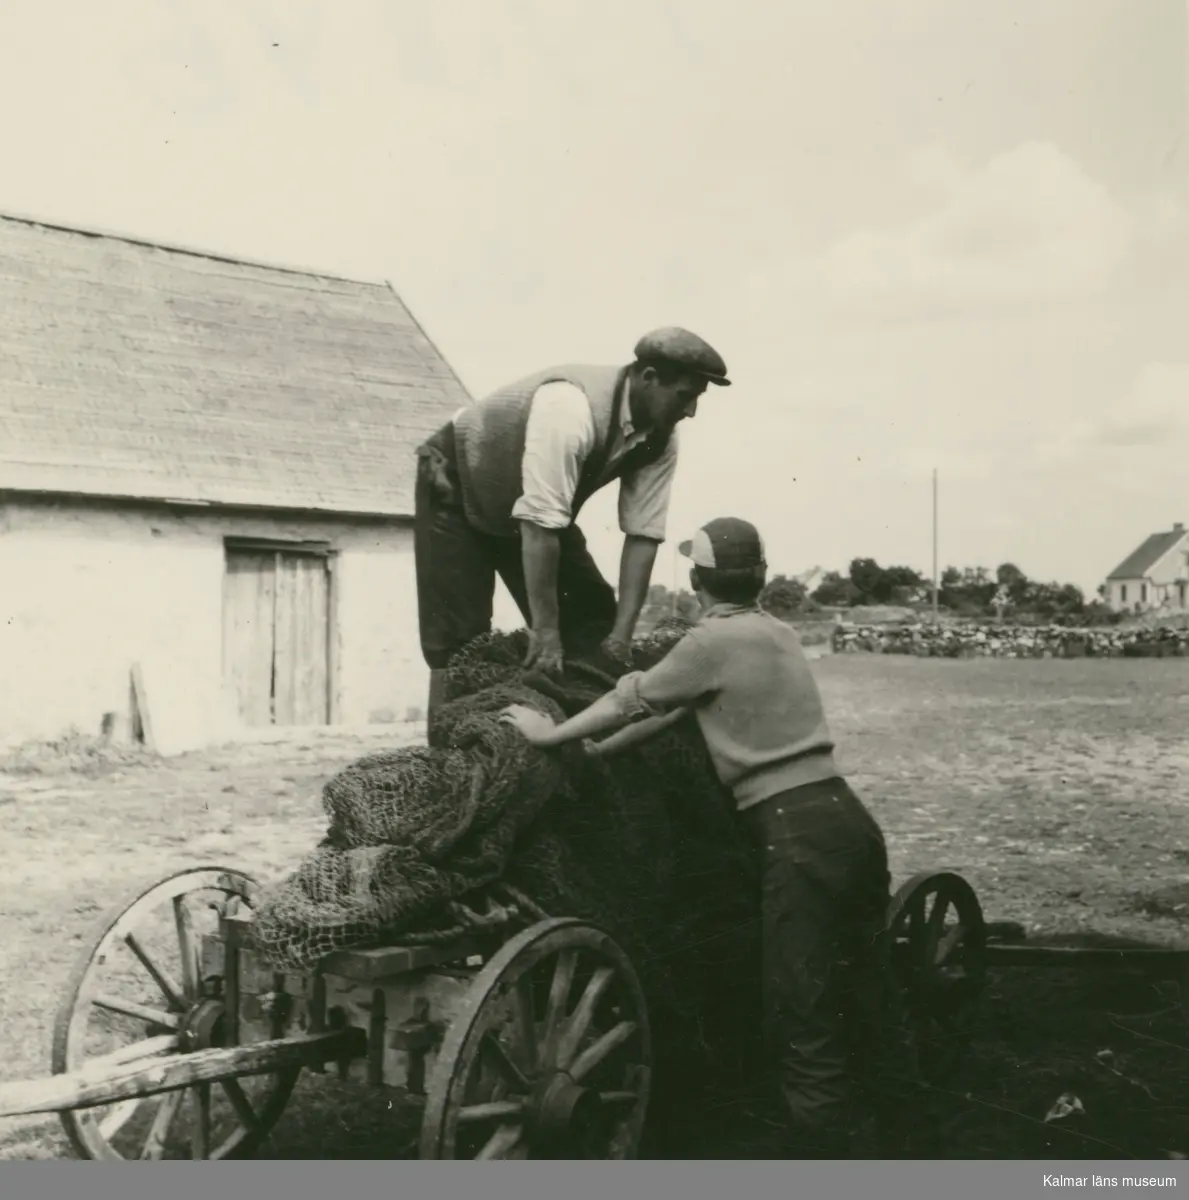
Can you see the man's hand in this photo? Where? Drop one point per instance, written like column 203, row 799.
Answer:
column 536, row 727
column 544, row 651
column 618, row 650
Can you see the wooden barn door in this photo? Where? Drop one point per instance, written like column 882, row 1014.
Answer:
column 276, row 633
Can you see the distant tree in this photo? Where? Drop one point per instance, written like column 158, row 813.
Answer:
column 1055, row 600
column 835, row 590
column 783, row 597
column 903, row 585
column 969, row 591
column 868, row 578
column 1010, row 577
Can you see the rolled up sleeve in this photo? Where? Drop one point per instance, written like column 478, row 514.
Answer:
column 558, row 438
column 684, row 678
column 644, row 496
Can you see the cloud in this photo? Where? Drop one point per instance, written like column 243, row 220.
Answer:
column 1137, row 439
column 1028, row 227
column 1154, row 414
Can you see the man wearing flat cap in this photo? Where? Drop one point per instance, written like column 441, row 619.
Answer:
column 499, row 488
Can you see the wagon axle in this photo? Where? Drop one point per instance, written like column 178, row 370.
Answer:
column 563, row 1113
column 203, row 1027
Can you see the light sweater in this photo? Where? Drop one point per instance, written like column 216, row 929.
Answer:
column 745, row 676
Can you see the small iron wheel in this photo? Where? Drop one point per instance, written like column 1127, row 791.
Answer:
column 138, row 992
column 939, row 942
column 549, row 1055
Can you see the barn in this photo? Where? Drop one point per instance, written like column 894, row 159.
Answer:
column 206, row 491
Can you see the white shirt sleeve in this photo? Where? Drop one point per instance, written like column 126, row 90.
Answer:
column 559, row 436
column 644, row 496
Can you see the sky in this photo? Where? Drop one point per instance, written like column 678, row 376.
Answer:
column 923, row 233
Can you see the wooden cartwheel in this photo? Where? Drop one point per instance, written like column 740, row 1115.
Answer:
column 939, row 944
column 528, row 1039
column 943, row 948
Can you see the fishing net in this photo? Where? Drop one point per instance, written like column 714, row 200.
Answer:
column 643, row 844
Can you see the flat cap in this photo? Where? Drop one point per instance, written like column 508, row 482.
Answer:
column 683, row 349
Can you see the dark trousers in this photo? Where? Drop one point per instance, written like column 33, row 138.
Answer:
column 457, row 568
column 831, row 1007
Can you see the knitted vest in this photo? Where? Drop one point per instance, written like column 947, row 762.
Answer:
column 490, row 437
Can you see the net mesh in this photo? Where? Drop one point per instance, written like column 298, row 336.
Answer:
column 643, row 844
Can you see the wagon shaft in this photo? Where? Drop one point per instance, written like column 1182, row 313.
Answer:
column 96, row 1086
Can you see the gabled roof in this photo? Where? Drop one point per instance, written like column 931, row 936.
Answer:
column 142, row 371
column 1137, row 564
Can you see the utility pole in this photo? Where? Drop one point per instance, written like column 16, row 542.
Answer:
column 936, row 618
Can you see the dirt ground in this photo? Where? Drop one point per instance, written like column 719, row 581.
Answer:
column 1055, row 787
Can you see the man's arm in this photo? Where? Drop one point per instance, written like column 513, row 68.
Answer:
column 635, row 574
column 540, row 551
column 558, row 437
column 685, row 676
column 643, row 514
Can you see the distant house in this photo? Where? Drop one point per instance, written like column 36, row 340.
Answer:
column 1155, row 576
column 206, row 471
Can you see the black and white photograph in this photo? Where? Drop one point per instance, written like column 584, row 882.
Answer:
column 596, row 582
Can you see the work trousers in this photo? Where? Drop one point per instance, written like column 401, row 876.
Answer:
column 831, row 1007
column 457, row 567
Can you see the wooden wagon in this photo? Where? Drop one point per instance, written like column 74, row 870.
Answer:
column 524, row 1036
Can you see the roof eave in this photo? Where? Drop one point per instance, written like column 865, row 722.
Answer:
column 257, row 506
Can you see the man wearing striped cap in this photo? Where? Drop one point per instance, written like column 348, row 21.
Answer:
column 500, row 486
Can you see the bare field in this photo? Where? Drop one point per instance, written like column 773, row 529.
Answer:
column 1055, row 787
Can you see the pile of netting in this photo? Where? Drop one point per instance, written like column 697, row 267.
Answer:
column 642, row 843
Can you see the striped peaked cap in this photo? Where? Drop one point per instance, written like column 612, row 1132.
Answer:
column 726, row 544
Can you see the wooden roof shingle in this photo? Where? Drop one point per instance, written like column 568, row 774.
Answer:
column 141, row 371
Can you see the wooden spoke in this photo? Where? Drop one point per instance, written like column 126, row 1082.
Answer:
column 494, row 1110
column 201, row 1141
column 186, row 946
column 951, row 941
column 130, row 1008
column 146, row 1049
column 240, row 1102
column 559, row 994
column 163, row 1120
column 119, row 1116
column 162, row 978
column 503, row 1062
column 107, row 979
column 584, row 1012
column 501, row 1143
column 916, row 917
column 484, row 1102
column 936, row 923
column 594, row 1054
